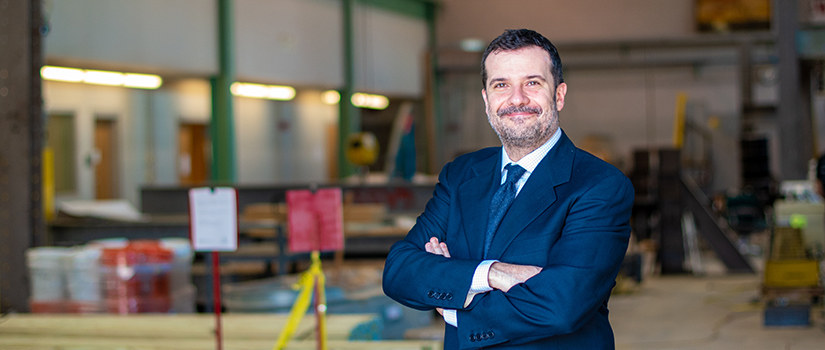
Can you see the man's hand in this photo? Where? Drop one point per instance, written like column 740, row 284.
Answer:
column 434, row 247
column 503, row 276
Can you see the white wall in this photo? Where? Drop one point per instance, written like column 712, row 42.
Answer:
column 289, row 41
column 389, row 52
column 148, row 35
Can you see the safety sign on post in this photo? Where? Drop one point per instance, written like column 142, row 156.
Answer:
column 316, row 224
column 213, row 227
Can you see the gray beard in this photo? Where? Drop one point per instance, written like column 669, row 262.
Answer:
column 525, row 139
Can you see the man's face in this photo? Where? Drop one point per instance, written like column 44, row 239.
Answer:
column 522, row 104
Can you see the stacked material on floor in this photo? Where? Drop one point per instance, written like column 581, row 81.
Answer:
column 113, row 276
column 180, row 332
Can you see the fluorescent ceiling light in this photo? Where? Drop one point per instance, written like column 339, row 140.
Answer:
column 372, row 101
column 62, row 74
column 272, row 92
column 101, row 77
column 142, row 81
column 331, row 97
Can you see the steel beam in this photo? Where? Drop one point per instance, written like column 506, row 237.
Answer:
column 795, row 126
column 221, row 127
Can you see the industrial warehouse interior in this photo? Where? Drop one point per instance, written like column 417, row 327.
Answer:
column 189, row 174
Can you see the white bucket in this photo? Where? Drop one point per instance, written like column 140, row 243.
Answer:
column 46, row 267
column 83, row 274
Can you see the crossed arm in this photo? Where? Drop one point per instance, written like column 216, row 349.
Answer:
column 502, row 276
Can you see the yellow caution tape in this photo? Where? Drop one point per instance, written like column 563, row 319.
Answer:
column 305, row 284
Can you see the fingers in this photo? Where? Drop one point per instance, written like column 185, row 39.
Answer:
column 437, row 248
column 445, row 250
column 504, row 276
column 440, row 311
column 433, row 247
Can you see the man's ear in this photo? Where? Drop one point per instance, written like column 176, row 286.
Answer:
column 484, row 96
column 561, row 92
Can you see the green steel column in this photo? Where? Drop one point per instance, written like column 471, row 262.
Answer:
column 349, row 119
column 221, row 128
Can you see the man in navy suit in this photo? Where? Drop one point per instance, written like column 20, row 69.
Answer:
column 541, row 275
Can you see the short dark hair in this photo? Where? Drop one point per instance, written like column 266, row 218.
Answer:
column 514, row 39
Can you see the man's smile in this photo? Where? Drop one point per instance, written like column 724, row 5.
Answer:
column 518, row 111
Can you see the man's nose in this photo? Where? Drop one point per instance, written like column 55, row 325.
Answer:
column 517, row 97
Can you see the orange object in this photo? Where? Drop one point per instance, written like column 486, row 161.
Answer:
column 136, row 278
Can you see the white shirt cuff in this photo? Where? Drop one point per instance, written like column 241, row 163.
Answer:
column 451, row 317
column 480, row 282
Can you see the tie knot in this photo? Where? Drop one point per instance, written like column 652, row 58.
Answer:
column 514, row 172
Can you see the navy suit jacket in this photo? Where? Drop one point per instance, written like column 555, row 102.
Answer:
column 571, row 218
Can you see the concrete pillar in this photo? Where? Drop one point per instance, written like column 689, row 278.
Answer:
column 794, row 110
column 21, row 138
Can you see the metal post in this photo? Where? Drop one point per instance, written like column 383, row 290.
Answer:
column 795, row 127
column 349, row 120
column 221, row 128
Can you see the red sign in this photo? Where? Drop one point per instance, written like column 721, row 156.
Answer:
column 316, row 220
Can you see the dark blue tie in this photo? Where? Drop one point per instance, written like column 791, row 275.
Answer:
column 501, row 201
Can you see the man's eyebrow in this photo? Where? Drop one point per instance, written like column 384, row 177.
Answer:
column 536, row 76
column 496, row 80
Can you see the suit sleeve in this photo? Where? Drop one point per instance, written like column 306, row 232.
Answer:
column 422, row 280
column 575, row 283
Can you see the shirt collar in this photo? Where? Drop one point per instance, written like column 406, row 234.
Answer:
column 531, row 160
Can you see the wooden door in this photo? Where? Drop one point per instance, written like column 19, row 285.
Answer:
column 105, row 159
column 193, row 154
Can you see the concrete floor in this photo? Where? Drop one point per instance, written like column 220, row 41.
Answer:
column 710, row 312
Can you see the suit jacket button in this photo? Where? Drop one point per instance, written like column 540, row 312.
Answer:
column 472, row 337
column 449, row 296
column 430, row 294
column 492, row 334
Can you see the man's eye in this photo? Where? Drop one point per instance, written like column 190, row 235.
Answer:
column 532, row 83
column 499, row 85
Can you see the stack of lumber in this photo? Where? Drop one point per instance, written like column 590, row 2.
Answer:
column 180, row 332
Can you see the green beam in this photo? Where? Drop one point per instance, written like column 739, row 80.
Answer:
column 349, row 118
column 221, row 128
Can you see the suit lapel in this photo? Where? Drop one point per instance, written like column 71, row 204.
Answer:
column 537, row 194
column 474, row 200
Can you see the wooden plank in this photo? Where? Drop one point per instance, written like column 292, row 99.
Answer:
column 47, row 342
column 170, row 327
